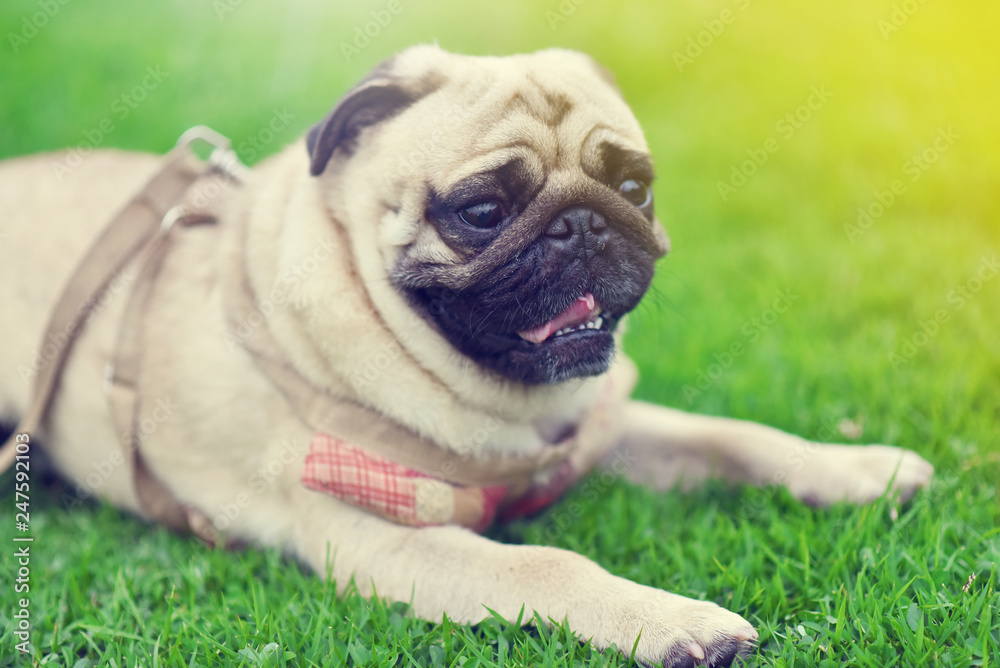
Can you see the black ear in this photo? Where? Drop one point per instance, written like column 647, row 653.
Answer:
column 371, row 102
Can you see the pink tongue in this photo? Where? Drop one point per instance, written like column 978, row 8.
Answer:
column 579, row 312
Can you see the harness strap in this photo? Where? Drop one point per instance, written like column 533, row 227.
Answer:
column 139, row 233
column 127, row 234
column 122, row 379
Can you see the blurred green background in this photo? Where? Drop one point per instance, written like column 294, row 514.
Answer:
column 711, row 82
column 715, row 84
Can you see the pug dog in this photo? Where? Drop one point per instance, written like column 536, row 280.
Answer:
column 452, row 252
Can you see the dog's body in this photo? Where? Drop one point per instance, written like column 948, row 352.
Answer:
column 225, row 441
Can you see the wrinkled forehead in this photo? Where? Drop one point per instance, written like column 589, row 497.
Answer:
column 551, row 116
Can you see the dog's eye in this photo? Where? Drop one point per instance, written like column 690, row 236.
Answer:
column 636, row 192
column 485, row 214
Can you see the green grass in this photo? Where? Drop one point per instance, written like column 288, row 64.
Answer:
column 868, row 586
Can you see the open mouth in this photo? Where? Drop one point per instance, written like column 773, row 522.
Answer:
column 585, row 313
column 575, row 342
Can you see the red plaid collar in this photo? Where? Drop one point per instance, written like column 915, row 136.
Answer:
column 406, row 496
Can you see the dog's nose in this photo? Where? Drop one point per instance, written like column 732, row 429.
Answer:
column 579, row 229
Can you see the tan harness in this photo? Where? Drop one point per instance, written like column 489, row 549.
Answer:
column 141, row 232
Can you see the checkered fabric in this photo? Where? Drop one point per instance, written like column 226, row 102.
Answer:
column 393, row 491
column 362, row 479
column 403, row 495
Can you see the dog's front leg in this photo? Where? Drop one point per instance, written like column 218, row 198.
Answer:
column 454, row 571
column 664, row 446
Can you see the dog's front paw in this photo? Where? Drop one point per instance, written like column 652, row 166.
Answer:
column 860, row 474
column 675, row 631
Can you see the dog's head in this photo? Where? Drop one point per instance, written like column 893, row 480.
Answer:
column 509, row 200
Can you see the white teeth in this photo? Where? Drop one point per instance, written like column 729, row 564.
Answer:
column 596, row 323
